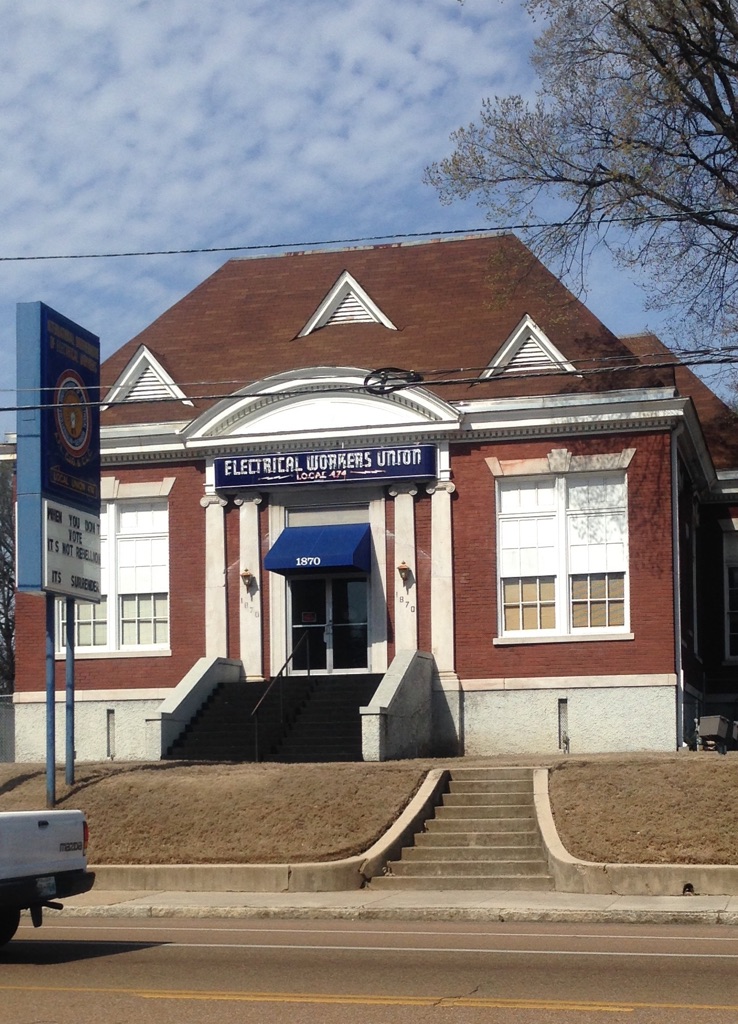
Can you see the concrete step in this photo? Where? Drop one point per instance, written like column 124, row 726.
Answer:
column 464, row 868
column 328, row 730
column 316, row 753
column 463, row 811
column 455, row 799
column 500, row 855
column 476, row 826
column 492, row 774
column 537, row 883
column 483, row 840
column 491, row 786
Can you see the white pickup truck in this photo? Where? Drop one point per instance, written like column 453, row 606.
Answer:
column 43, row 857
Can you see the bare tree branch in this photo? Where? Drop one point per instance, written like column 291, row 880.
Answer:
column 636, row 124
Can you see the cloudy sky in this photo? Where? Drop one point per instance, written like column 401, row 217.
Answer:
column 139, row 125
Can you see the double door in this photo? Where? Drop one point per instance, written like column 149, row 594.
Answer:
column 329, row 623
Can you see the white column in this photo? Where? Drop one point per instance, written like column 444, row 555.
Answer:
column 250, row 605
column 442, row 579
column 406, row 591
column 216, row 620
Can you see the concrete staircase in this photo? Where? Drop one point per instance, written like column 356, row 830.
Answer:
column 314, row 718
column 327, row 727
column 224, row 730
column 484, row 835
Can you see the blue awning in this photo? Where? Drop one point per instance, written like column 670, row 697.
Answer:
column 317, row 548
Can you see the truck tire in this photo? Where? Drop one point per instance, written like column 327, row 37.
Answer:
column 8, row 924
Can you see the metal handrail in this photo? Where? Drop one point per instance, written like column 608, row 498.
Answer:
column 277, row 679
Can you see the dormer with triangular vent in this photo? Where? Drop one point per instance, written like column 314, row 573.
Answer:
column 528, row 351
column 346, row 303
column 144, row 380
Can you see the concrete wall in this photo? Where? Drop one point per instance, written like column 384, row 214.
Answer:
column 600, row 719
column 182, row 704
column 95, row 728
column 399, row 721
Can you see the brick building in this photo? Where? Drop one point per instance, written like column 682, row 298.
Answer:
column 518, row 536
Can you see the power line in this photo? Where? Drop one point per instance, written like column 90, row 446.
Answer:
column 447, row 381
column 249, row 248
column 725, row 356
column 357, row 240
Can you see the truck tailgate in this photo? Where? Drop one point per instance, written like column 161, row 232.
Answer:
column 41, row 842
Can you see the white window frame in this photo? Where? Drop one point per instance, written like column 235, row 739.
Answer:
column 550, row 550
column 113, row 533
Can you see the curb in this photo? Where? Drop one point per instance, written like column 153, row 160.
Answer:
column 501, row 914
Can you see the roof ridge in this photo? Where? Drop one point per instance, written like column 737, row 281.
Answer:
column 327, row 247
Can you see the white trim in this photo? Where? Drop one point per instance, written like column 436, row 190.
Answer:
column 144, row 363
column 346, row 287
column 568, row 682
column 250, row 598
column 529, row 348
column 565, row 638
column 215, row 596
column 560, row 460
column 85, row 696
column 111, row 489
column 101, row 653
column 250, row 413
column 405, row 591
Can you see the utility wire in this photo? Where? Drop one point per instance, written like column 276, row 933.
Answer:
column 727, row 355
column 297, row 246
column 448, row 381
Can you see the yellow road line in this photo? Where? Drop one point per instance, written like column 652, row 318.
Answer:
column 369, row 1000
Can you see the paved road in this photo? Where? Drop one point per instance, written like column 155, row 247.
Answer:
column 85, row 971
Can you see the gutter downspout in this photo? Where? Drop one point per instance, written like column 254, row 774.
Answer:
column 676, row 576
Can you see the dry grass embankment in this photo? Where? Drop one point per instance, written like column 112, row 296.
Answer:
column 631, row 808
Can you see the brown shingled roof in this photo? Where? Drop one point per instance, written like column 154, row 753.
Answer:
column 454, row 304
column 719, row 422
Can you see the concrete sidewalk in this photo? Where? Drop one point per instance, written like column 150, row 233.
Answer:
column 367, row 905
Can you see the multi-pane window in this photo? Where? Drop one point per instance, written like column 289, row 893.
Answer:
column 143, row 574
column 562, row 545
column 134, row 610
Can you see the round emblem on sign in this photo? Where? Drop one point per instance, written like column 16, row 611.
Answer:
column 71, row 409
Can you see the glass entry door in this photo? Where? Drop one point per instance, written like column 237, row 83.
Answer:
column 329, row 623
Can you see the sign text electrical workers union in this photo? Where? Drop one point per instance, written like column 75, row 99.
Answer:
column 335, row 466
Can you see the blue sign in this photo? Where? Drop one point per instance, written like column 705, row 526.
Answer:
column 58, row 455
column 335, row 466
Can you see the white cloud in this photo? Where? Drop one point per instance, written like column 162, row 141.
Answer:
column 128, row 124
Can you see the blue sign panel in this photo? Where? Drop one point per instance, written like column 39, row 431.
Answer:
column 70, row 419
column 335, row 466
column 58, row 462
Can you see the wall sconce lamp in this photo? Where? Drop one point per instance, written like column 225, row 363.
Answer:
column 404, row 570
column 248, row 577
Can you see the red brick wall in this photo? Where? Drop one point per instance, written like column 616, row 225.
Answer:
column 187, row 605
column 475, row 569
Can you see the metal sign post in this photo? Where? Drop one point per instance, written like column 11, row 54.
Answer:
column 58, row 486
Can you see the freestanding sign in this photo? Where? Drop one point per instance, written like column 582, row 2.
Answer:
column 57, row 486
column 58, row 476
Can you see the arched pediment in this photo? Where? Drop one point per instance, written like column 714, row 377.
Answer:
column 320, row 400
